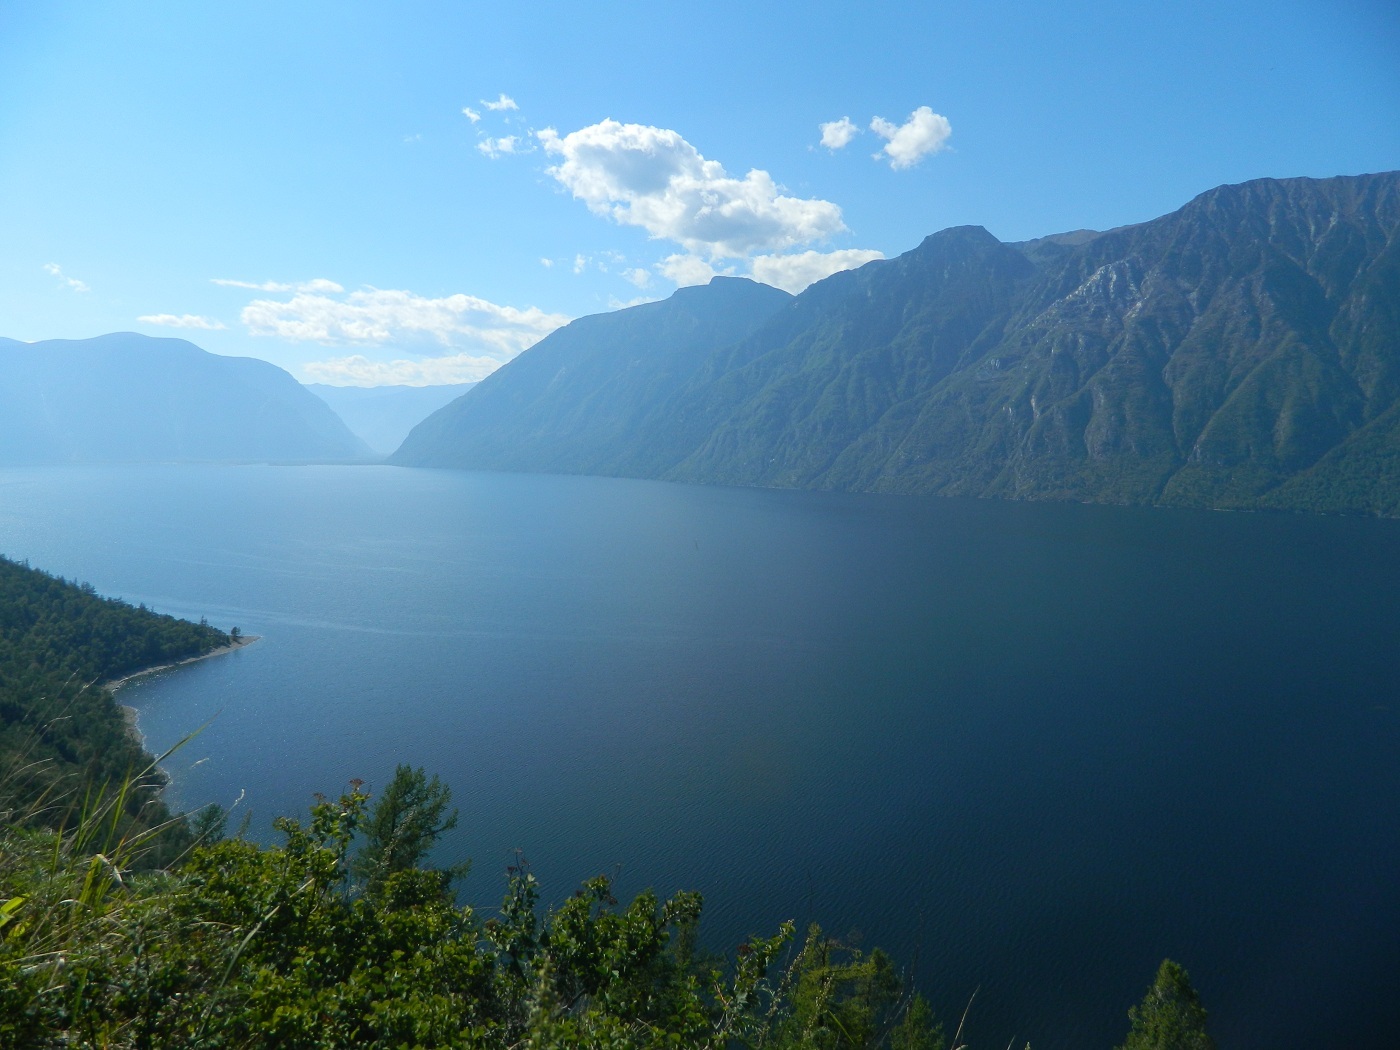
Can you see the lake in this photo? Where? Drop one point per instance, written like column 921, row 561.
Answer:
column 1030, row 749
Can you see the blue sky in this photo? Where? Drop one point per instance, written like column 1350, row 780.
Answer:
column 413, row 192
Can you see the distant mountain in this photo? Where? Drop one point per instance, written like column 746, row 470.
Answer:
column 128, row 398
column 575, row 401
column 1242, row 352
column 382, row 416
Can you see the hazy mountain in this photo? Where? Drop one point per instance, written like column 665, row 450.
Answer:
column 1243, row 351
column 382, row 416
column 126, row 398
column 575, row 401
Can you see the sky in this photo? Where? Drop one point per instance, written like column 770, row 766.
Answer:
column 415, row 192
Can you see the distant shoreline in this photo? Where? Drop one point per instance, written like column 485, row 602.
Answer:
column 117, row 683
column 130, row 714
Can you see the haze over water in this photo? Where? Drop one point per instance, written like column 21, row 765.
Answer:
column 1030, row 748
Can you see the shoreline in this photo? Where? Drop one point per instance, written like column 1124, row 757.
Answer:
column 130, row 715
column 116, row 683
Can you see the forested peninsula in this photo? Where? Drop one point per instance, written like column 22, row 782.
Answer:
column 63, row 739
column 123, row 926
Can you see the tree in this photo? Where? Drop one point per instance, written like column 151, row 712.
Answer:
column 1170, row 1016
column 409, row 817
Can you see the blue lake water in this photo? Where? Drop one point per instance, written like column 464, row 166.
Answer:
column 1029, row 749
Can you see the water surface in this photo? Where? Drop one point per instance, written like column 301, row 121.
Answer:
column 1028, row 748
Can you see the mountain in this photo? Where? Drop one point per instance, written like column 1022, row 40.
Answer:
column 382, row 416
column 128, row 398
column 1242, row 352
column 575, row 401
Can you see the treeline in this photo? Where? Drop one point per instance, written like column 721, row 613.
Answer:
column 125, row 929
column 63, row 740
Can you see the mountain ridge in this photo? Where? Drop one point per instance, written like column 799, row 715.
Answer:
column 1240, row 352
column 130, row 398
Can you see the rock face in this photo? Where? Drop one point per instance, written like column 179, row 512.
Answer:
column 127, row 398
column 1241, row 352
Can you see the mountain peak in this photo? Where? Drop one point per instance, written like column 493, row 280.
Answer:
column 1242, row 351
column 130, row 398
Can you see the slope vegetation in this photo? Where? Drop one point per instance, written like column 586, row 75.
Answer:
column 1241, row 352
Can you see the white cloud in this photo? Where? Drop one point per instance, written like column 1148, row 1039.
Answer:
column 358, row 370
column 653, row 178
column 638, row 276
column 266, row 286
column 378, row 315
column 837, row 134
column 906, row 144
column 471, row 114
column 494, row 148
column 547, row 263
column 502, row 103
column 794, row 272
column 182, row 321
column 72, row 282
column 580, row 263
column 685, row 270
column 317, row 284
column 614, row 303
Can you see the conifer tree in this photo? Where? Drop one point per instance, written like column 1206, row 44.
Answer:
column 1170, row 1016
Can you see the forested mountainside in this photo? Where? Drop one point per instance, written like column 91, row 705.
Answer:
column 128, row 398
column 579, row 399
column 1242, row 352
column 63, row 739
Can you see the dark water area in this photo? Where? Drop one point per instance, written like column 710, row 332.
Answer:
column 1029, row 749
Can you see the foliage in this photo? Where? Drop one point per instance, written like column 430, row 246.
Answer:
column 124, row 929
column 245, row 945
column 1170, row 1016
column 63, row 739
column 402, row 826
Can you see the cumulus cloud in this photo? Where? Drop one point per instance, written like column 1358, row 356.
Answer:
column 358, row 370
column 906, row 144
column 494, row 148
column 651, row 177
column 502, row 103
column 637, row 276
column 471, row 114
column 837, row 134
column 548, row 264
column 686, row 270
column 794, row 272
column 379, row 315
column 72, row 282
column 182, row 321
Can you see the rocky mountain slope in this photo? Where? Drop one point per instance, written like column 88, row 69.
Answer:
column 1241, row 352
